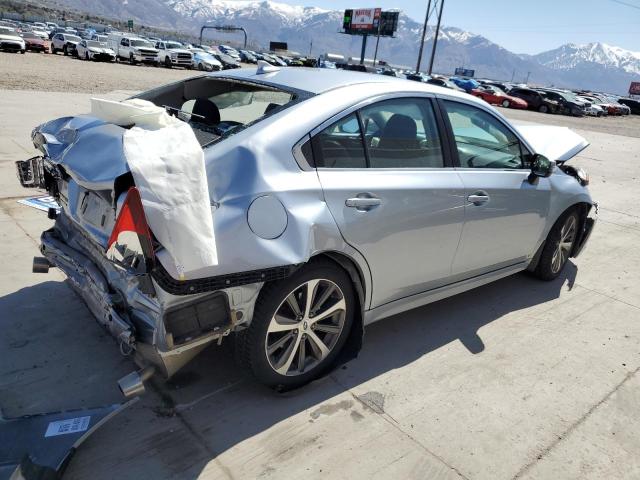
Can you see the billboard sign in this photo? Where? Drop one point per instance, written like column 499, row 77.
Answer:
column 634, row 88
column 365, row 18
column 463, row 72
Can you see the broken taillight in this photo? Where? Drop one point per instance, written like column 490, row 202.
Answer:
column 130, row 244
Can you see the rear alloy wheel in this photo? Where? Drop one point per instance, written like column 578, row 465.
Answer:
column 506, row 103
column 299, row 326
column 558, row 247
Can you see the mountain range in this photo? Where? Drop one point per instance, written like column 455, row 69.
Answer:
column 596, row 66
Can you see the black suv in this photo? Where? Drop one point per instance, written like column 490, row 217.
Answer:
column 535, row 100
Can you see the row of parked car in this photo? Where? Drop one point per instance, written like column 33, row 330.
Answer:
column 112, row 46
column 509, row 95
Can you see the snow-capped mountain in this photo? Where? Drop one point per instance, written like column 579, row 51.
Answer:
column 312, row 30
column 571, row 56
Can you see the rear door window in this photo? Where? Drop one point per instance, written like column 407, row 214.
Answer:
column 340, row 145
column 402, row 133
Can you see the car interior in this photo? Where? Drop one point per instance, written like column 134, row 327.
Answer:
column 215, row 107
column 399, row 133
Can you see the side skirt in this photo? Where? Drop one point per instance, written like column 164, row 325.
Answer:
column 430, row 296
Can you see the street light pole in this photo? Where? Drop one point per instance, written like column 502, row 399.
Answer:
column 435, row 38
column 424, row 33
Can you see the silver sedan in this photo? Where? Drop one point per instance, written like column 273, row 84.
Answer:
column 338, row 199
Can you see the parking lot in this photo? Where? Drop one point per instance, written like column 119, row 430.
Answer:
column 516, row 379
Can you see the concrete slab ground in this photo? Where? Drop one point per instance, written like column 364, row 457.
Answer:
column 517, row 379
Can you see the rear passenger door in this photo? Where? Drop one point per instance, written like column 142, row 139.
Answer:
column 390, row 186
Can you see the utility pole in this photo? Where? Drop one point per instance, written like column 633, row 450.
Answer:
column 513, row 75
column 364, row 48
column 375, row 55
column 527, row 80
column 310, row 46
column 424, row 33
column 435, row 38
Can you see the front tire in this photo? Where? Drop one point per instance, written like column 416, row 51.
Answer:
column 167, row 62
column 506, row 103
column 558, row 246
column 299, row 326
column 65, row 52
column 543, row 109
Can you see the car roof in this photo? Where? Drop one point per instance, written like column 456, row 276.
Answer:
column 320, row 80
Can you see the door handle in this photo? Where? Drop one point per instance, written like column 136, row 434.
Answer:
column 363, row 203
column 479, row 198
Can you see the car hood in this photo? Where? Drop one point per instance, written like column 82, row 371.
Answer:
column 101, row 50
column 71, row 143
column 555, row 143
column 12, row 38
column 178, row 50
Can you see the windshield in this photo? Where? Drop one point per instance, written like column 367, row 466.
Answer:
column 7, row 31
column 140, row 43
column 93, row 43
column 173, row 45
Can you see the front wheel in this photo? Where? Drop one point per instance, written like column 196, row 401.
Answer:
column 65, row 51
column 167, row 62
column 505, row 103
column 543, row 109
column 299, row 326
column 558, row 246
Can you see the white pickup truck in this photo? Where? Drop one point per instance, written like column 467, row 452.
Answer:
column 172, row 54
column 132, row 49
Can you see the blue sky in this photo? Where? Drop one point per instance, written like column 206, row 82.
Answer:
column 525, row 27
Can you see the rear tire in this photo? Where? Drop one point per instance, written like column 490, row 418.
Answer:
column 543, row 109
column 285, row 353
column 558, row 246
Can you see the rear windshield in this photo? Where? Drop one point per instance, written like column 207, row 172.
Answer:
column 216, row 108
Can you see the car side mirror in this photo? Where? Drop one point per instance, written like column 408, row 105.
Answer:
column 541, row 167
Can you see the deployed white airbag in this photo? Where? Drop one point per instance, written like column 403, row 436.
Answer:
column 167, row 164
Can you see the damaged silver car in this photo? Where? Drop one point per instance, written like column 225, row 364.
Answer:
column 337, row 199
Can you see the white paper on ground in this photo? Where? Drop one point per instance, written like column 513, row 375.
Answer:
column 167, row 164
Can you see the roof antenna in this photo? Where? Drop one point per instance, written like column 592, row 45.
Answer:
column 265, row 67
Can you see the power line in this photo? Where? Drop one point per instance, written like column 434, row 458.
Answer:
column 627, row 4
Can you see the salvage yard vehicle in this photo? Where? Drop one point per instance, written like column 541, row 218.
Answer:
column 94, row 50
column 173, row 54
column 495, row 96
column 132, row 49
column 568, row 103
column 337, row 199
column 65, row 43
column 203, row 60
column 35, row 43
column 10, row 40
column 535, row 100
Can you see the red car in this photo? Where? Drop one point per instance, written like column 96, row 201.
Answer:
column 496, row 96
column 36, row 43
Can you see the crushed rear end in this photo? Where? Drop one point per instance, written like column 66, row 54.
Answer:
column 161, row 320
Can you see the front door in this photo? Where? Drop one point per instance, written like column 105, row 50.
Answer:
column 504, row 213
column 393, row 196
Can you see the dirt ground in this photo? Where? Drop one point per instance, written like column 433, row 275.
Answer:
column 57, row 73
